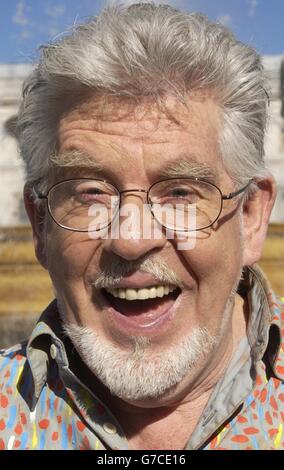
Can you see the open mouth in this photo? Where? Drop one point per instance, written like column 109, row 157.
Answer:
column 142, row 307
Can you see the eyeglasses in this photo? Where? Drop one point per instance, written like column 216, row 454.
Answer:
column 84, row 204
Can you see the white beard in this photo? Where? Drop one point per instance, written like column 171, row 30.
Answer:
column 140, row 374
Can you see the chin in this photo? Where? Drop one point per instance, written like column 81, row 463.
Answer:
column 139, row 375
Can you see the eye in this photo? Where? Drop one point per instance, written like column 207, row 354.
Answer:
column 92, row 193
column 87, row 191
column 180, row 194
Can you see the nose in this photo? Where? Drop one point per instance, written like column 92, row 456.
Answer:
column 134, row 233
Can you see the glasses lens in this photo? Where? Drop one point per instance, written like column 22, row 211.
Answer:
column 185, row 204
column 82, row 204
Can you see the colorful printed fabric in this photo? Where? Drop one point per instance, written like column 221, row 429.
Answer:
column 43, row 405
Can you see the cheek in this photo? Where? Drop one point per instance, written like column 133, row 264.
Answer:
column 69, row 255
column 217, row 259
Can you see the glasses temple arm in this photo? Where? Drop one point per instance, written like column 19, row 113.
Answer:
column 236, row 193
column 38, row 194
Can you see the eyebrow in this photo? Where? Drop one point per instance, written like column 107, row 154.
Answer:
column 189, row 167
column 184, row 167
column 74, row 159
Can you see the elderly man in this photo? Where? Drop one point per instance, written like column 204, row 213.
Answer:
column 142, row 134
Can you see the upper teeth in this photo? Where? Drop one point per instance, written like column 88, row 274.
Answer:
column 141, row 294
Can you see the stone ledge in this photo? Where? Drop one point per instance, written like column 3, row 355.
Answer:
column 15, row 328
column 25, row 287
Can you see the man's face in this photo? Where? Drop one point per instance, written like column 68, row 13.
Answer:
column 132, row 148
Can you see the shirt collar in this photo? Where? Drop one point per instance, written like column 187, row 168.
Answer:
column 44, row 345
column 265, row 320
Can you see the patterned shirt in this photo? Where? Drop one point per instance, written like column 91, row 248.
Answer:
column 44, row 405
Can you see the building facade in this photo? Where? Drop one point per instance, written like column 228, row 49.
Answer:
column 274, row 143
column 11, row 167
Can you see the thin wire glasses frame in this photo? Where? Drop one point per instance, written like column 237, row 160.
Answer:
column 223, row 197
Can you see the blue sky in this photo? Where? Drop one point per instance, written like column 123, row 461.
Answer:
column 25, row 24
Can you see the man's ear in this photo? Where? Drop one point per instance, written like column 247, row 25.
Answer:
column 256, row 214
column 36, row 215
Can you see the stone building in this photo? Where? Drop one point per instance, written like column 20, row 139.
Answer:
column 11, row 169
column 274, row 145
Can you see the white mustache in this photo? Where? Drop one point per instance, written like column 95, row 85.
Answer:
column 116, row 271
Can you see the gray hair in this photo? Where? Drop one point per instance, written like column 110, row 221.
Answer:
column 145, row 50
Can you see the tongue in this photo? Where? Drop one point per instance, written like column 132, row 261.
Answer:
column 139, row 309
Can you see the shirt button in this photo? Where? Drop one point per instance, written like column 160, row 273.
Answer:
column 110, row 428
column 53, row 351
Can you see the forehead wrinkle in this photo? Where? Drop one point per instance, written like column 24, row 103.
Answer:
column 191, row 168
